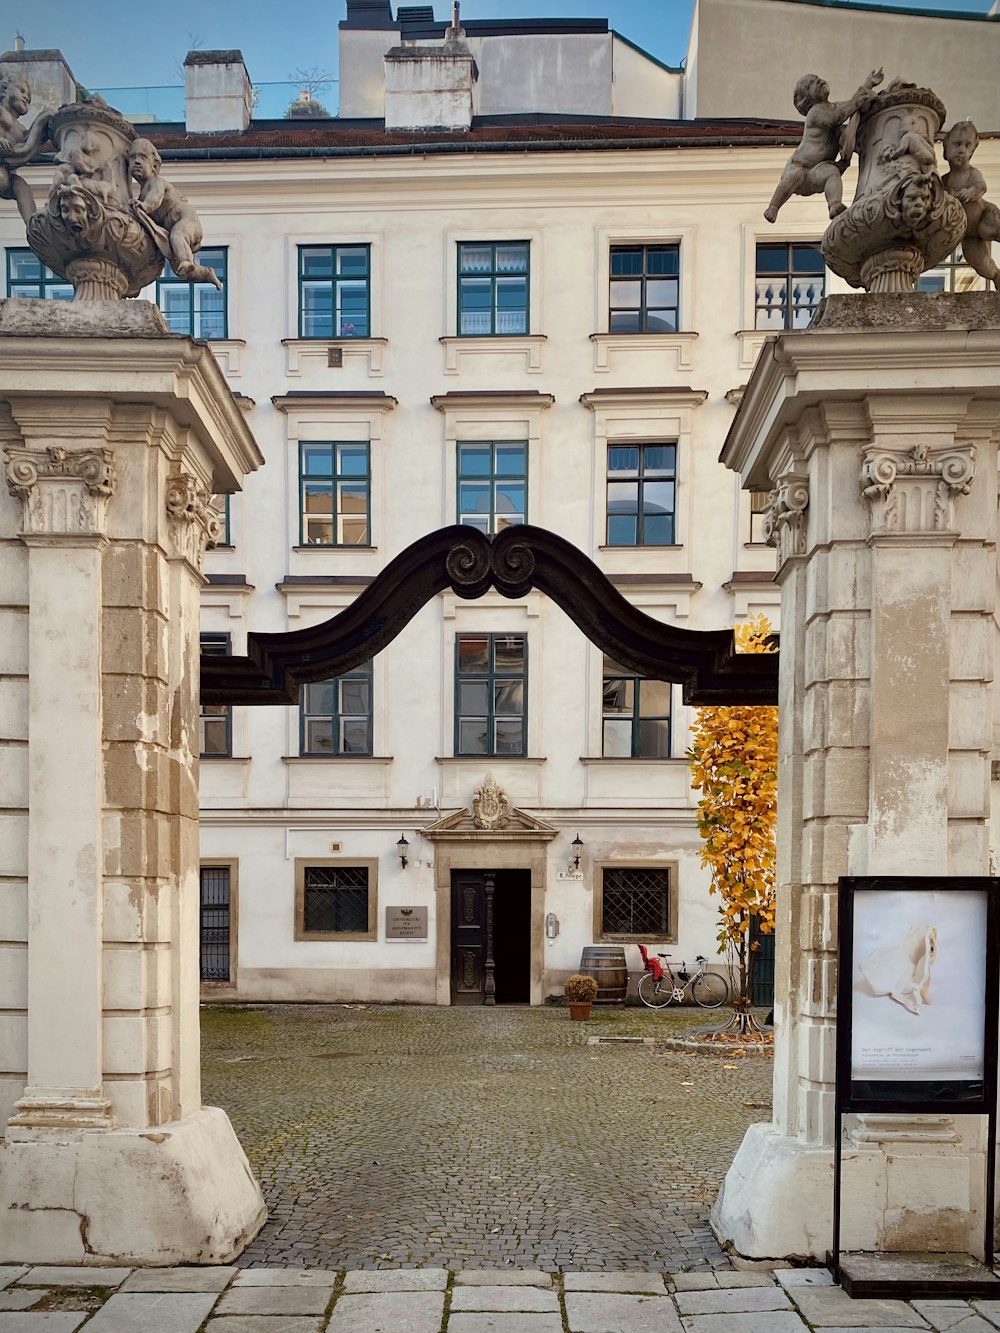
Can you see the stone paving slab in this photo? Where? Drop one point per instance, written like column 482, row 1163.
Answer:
column 649, row 1284
column 152, row 1312
column 600, row 1312
column 48, row 1321
column 831, row 1307
column 740, row 1301
column 505, row 1323
column 286, row 1277
column 397, row 1279
column 952, row 1316
column 274, row 1300
column 179, row 1279
column 81, row 1276
column 805, row 1277
column 505, row 1299
column 264, row 1323
column 388, row 1312
column 988, row 1309
column 769, row 1321
column 500, row 1277
column 10, row 1273
column 19, row 1298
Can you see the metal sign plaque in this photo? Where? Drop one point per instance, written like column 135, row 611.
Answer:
column 406, row 923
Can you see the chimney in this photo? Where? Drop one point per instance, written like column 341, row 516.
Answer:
column 47, row 74
column 430, row 87
column 216, row 92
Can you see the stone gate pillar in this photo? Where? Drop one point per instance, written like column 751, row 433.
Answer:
column 876, row 433
column 114, row 436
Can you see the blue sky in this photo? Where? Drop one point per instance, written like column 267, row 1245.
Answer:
column 112, row 43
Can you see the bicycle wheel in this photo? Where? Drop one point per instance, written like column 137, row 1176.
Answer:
column 710, row 990
column 656, row 995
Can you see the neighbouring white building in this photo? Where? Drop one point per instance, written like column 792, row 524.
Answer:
column 514, row 281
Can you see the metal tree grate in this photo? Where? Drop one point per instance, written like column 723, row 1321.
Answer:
column 336, row 899
column 636, row 902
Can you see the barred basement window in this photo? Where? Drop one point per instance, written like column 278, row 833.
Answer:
column 215, row 922
column 637, row 901
column 335, row 900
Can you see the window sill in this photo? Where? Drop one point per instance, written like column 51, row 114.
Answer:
column 608, row 345
column 632, row 760
column 488, row 759
column 671, row 546
column 526, row 345
column 303, row 354
column 638, row 939
column 316, row 546
column 335, row 937
column 373, row 759
column 224, row 759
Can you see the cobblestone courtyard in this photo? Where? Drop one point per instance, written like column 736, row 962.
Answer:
column 387, row 1137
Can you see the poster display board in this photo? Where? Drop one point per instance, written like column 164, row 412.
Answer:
column 917, row 1006
column 916, row 968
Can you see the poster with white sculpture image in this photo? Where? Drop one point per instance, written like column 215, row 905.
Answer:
column 919, row 985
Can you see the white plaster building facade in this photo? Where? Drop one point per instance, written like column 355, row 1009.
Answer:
column 546, row 311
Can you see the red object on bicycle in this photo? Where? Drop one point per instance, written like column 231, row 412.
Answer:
column 651, row 964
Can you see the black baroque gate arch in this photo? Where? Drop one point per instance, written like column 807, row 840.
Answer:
column 704, row 662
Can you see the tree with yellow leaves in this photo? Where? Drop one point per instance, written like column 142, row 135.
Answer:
column 734, row 763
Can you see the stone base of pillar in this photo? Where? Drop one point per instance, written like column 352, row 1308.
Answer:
column 181, row 1193
column 916, row 1189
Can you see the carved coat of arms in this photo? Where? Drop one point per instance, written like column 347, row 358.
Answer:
column 490, row 805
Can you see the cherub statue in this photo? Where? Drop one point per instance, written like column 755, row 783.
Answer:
column 968, row 185
column 824, row 154
column 18, row 145
column 170, row 211
column 912, row 152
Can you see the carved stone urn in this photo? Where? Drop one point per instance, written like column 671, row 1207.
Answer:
column 902, row 220
column 88, row 231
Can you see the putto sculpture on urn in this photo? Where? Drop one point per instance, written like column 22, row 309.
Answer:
column 904, row 218
column 96, row 230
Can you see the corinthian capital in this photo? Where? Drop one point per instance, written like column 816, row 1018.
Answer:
column 914, row 490
column 64, row 491
column 785, row 516
column 195, row 522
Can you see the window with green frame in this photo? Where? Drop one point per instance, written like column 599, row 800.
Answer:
column 216, row 720
column 335, row 716
column 334, row 291
column 491, row 682
column 221, row 505
column 492, row 287
column 492, row 483
column 645, row 289
column 636, row 713
column 28, row 276
column 196, row 308
column 790, row 283
column 951, row 275
column 641, row 494
column 334, row 493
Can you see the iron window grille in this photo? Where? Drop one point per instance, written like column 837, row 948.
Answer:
column 790, row 283
column 27, row 276
column 335, row 900
column 951, row 275
column 215, row 721
column 645, row 289
column 493, row 287
column 334, row 493
column 641, row 494
column 334, row 291
column 215, row 923
column 335, row 716
column 198, row 309
column 636, row 901
column 491, row 680
column 492, row 484
column 636, row 714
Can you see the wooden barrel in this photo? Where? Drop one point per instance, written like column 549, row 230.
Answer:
column 606, row 964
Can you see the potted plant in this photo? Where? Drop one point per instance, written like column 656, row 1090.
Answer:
column 580, row 991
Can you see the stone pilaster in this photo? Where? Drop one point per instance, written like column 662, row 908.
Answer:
column 884, row 515
column 113, row 444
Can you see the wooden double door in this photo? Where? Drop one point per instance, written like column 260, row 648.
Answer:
column 490, row 936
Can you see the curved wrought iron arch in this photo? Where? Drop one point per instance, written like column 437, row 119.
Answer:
column 519, row 559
